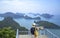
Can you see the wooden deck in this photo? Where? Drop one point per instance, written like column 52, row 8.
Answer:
column 31, row 36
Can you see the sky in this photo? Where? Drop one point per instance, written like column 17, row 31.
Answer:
column 30, row 6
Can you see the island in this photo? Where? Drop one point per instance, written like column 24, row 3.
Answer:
column 13, row 15
column 34, row 18
column 18, row 16
column 9, row 22
column 47, row 24
column 47, row 15
column 35, row 14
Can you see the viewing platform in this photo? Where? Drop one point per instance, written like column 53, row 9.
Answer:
column 46, row 33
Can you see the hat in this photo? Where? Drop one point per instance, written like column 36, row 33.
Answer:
column 34, row 24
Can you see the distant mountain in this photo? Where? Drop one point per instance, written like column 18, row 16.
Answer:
column 47, row 24
column 10, row 14
column 35, row 18
column 47, row 16
column 18, row 15
column 9, row 22
column 42, row 15
column 35, row 14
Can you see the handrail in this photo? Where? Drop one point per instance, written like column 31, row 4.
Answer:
column 52, row 33
column 23, row 31
column 17, row 34
column 28, row 32
column 44, row 33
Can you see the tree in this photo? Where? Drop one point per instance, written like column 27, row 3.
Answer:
column 7, row 32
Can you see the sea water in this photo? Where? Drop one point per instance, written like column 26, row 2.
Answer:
column 1, row 18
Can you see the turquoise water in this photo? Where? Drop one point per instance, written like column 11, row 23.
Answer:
column 24, row 22
column 1, row 18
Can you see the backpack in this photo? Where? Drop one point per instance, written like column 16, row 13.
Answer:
column 32, row 30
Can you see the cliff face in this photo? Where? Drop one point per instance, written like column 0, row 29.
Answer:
column 9, row 22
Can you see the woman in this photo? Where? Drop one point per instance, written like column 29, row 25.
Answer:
column 34, row 31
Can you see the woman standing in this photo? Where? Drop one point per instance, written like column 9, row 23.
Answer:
column 34, row 30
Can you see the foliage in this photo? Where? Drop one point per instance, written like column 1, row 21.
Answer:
column 7, row 33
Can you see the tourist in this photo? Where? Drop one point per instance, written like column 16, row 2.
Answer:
column 34, row 31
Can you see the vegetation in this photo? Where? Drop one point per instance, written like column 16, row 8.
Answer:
column 7, row 33
column 9, row 22
column 48, row 25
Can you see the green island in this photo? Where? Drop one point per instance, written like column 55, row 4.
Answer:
column 47, row 25
column 9, row 22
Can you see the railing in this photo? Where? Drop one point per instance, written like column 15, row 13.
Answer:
column 17, row 35
column 50, row 34
column 21, row 32
column 45, row 32
column 24, row 32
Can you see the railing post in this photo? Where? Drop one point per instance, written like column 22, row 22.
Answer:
column 17, row 34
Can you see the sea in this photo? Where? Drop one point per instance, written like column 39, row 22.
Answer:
column 28, row 23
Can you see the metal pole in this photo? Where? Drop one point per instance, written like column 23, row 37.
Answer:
column 17, row 34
